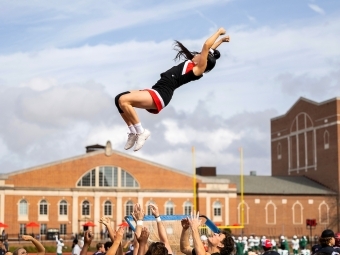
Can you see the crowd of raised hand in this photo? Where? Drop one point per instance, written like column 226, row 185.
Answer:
column 221, row 243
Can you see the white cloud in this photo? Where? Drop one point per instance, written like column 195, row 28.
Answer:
column 317, row 9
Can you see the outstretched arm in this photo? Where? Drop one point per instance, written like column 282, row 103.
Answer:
column 116, row 242
column 220, row 41
column 160, row 227
column 195, row 222
column 184, row 243
column 138, row 216
column 202, row 63
column 88, row 237
column 143, row 241
column 106, row 222
column 37, row 244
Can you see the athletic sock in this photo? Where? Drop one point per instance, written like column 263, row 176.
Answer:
column 139, row 128
column 132, row 129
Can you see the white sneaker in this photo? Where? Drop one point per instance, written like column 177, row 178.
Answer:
column 131, row 141
column 141, row 138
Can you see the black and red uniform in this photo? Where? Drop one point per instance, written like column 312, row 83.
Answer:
column 170, row 80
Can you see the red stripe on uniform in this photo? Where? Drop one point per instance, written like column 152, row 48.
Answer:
column 157, row 101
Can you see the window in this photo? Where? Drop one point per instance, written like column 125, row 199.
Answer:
column 43, row 229
column 128, row 180
column 326, row 140
column 129, row 207
column 62, row 230
column 63, row 207
column 43, row 207
column 22, row 229
column 169, row 208
column 85, row 208
column 89, row 179
column 108, row 176
column 107, row 208
column 279, row 151
column 187, row 208
column 23, row 210
column 217, row 208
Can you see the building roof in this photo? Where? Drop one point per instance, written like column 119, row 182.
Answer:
column 274, row 185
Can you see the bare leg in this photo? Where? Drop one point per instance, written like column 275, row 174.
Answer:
column 138, row 99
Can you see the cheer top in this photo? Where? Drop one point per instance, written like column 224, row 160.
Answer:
column 170, row 80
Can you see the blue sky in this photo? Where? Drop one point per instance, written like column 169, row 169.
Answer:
column 62, row 63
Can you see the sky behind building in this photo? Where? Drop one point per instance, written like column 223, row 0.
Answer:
column 62, row 63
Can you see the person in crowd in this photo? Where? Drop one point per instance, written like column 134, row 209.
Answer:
column 22, row 251
column 267, row 248
column 221, row 243
column 245, row 245
column 295, row 245
column 326, row 243
column 60, row 245
column 153, row 100
column 2, row 248
column 155, row 248
column 274, row 247
column 100, row 248
column 115, row 246
column 256, row 244
column 239, row 246
column 75, row 247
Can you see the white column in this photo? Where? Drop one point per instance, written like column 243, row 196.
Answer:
column 119, row 210
column 226, row 209
column 2, row 205
column 75, row 213
column 208, row 206
column 97, row 209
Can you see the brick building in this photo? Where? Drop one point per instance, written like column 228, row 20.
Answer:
column 63, row 195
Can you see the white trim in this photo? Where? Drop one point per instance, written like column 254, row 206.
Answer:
column 297, row 203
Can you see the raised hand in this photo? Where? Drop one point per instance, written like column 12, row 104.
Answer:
column 138, row 212
column 154, row 210
column 225, row 38
column 194, row 220
column 143, row 238
column 105, row 221
column 120, row 233
column 221, row 31
column 27, row 237
column 88, row 237
column 185, row 223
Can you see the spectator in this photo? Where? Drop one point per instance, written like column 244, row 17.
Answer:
column 221, row 243
column 267, row 248
column 2, row 248
column 40, row 248
column 100, row 249
column 326, row 243
column 75, row 248
column 60, row 245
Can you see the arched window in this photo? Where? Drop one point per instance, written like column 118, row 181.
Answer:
column 85, row 208
column 297, row 209
column 217, row 208
column 169, row 208
column 63, row 207
column 129, row 207
column 128, row 180
column 107, row 177
column 23, row 208
column 187, row 208
column 301, row 144
column 270, row 213
column 88, row 180
column 43, row 207
column 326, row 140
column 243, row 212
column 108, row 208
column 323, row 213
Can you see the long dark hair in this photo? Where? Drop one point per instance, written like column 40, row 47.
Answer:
column 229, row 244
column 183, row 52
